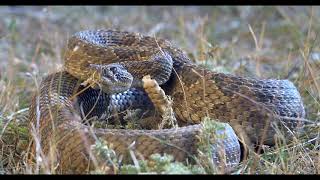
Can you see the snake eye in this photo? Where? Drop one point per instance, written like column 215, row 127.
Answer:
column 113, row 69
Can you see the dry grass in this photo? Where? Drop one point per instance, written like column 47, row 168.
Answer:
column 264, row 42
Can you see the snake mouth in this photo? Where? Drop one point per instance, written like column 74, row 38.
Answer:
column 112, row 87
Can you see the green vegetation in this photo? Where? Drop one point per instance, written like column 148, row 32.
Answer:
column 265, row 42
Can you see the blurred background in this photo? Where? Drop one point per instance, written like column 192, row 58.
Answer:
column 279, row 42
column 266, row 42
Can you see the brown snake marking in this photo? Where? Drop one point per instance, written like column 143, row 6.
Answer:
column 251, row 106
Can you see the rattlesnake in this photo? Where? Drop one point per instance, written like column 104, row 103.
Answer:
column 253, row 107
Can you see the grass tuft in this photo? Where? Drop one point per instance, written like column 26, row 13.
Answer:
column 266, row 42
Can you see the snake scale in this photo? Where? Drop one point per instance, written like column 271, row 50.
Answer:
column 252, row 107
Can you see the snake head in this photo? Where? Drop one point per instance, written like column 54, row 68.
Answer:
column 114, row 78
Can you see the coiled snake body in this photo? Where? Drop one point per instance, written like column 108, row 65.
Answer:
column 253, row 107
